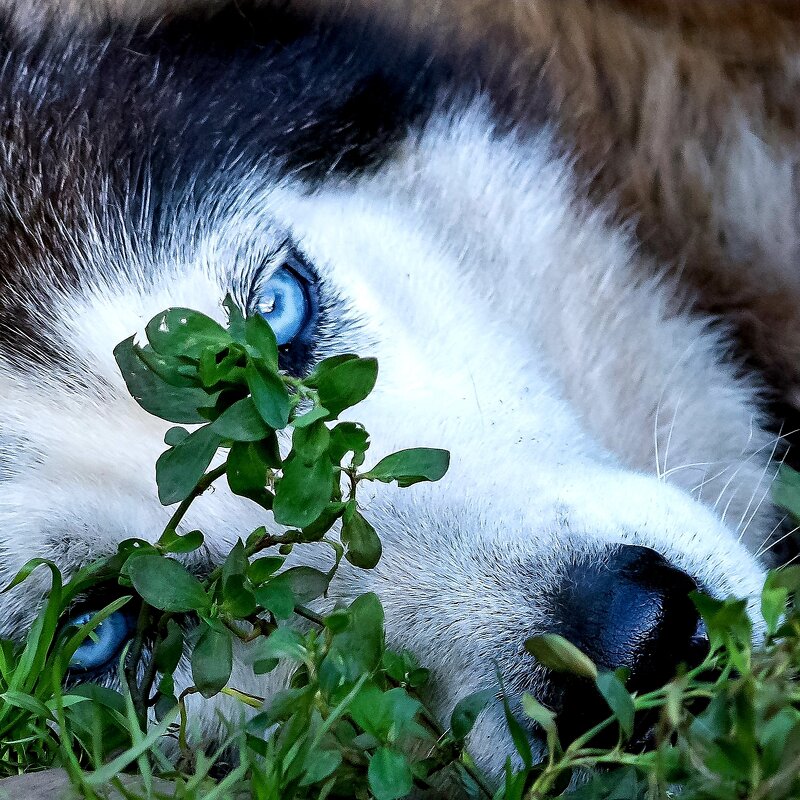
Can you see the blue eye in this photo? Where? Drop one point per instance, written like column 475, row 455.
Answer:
column 110, row 635
column 284, row 303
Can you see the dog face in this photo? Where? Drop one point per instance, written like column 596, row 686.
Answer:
column 606, row 459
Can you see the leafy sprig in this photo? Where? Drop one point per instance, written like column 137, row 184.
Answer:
column 351, row 721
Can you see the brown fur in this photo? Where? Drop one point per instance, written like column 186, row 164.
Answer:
column 683, row 112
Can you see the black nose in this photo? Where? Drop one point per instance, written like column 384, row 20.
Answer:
column 632, row 609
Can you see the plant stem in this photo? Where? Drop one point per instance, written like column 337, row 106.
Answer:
column 132, row 666
column 431, row 723
column 140, row 693
column 149, row 677
column 202, row 485
column 337, row 712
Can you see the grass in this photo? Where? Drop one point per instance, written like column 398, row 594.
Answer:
column 352, row 722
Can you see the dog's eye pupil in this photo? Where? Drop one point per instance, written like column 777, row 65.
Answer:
column 106, row 642
column 283, row 302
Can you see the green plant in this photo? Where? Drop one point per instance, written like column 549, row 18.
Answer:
column 729, row 728
column 350, row 721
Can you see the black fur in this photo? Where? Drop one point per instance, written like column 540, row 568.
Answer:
column 126, row 119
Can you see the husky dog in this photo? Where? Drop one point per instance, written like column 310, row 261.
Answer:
column 608, row 455
column 682, row 116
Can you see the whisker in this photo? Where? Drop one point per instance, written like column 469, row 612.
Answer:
column 768, row 443
column 790, row 561
column 706, row 480
column 767, row 493
column 761, row 478
column 764, row 544
column 727, row 506
column 667, row 381
column 742, row 464
column 673, row 470
column 777, row 541
column 671, row 429
column 655, row 434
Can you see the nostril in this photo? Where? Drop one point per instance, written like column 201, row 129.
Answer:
column 630, row 608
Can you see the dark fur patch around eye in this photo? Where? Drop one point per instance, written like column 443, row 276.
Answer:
column 112, row 131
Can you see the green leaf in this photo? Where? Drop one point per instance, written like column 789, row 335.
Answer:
column 172, row 370
column 168, row 651
column 263, row 568
column 347, row 437
column 27, row 569
column 389, row 775
column 786, row 577
column 262, row 666
column 786, row 490
column 212, row 659
column 542, row 716
column 346, row 384
column 556, row 653
column 298, row 585
column 277, row 597
column 241, row 422
column 358, row 648
column 311, row 442
column 418, row 677
column 153, row 394
column 521, row 743
column 269, row 395
column 283, row 705
column 165, row 704
column 259, row 335
column 326, row 365
column 619, row 700
column 247, row 471
column 175, row 435
column 363, row 545
column 173, row 542
column 779, row 739
column 179, row 469
column 302, row 492
column 319, row 765
column 28, row 703
column 186, row 333
column 165, row 584
column 515, row 782
column 126, row 551
column 236, row 319
column 621, row 783
column 389, row 716
column 236, row 562
column 238, row 598
column 320, row 526
column 221, row 367
column 283, row 643
column 306, row 583
column 727, row 621
column 310, row 417
column 408, row 467
column 468, row 709
column 774, row 600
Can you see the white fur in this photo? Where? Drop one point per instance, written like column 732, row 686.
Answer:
column 583, row 404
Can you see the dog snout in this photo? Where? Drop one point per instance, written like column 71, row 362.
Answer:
column 630, row 608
